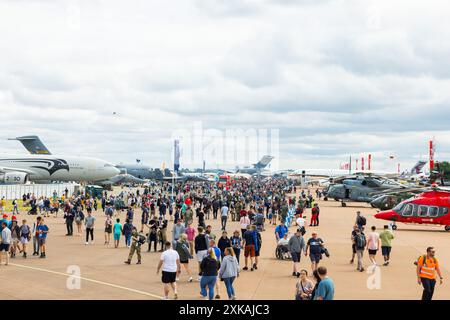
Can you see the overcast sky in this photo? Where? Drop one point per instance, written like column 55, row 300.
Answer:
column 334, row 77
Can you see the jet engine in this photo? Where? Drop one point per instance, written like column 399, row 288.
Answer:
column 13, row 177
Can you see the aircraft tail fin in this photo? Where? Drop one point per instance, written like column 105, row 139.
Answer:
column 263, row 162
column 33, row 144
column 418, row 167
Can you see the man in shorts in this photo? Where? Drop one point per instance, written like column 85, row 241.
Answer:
column 314, row 245
column 171, row 268
column 373, row 244
column 5, row 243
column 249, row 247
column 42, row 231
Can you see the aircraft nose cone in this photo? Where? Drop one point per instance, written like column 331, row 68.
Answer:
column 384, row 215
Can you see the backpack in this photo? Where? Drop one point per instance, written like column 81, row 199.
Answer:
column 362, row 221
column 424, row 260
column 360, row 241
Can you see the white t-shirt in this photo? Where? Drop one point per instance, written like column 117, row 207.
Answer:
column 245, row 221
column 300, row 222
column 169, row 259
column 372, row 240
column 224, row 211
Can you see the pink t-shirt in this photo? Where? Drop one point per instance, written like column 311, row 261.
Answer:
column 372, row 240
column 190, row 232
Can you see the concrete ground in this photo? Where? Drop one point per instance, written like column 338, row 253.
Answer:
column 105, row 276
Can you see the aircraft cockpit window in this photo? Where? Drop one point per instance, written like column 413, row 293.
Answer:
column 443, row 211
column 398, row 208
column 408, row 211
column 423, row 211
column 433, row 211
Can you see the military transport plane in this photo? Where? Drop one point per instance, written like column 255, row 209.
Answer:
column 22, row 168
column 257, row 167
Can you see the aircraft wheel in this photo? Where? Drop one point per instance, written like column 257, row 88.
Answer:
column 343, row 204
column 394, row 227
column 447, row 228
column 335, row 199
column 325, row 199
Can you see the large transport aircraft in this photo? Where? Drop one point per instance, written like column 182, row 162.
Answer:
column 18, row 169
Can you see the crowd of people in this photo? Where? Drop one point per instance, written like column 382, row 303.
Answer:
column 189, row 208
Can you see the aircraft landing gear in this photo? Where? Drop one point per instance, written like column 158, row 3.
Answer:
column 343, row 204
column 394, row 226
column 325, row 199
column 447, row 228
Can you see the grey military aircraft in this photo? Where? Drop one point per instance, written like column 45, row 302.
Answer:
column 361, row 188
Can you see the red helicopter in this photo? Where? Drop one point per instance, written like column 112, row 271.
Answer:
column 430, row 207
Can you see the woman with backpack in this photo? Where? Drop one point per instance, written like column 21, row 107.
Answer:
column 25, row 236
column 182, row 247
column 127, row 230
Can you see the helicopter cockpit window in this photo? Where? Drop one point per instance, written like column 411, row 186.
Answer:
column 423, row 211
column 408, row 211
column 433, row 211
column 443, row 211
column 398, row 208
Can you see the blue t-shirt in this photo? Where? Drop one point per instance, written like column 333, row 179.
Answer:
column 43, row 228
column 281, row 230
column 315, row 245
column 325, row 289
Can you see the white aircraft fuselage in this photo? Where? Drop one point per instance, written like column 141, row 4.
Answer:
column 58, row 168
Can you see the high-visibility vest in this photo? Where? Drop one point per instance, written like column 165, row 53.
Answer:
column 428, row 267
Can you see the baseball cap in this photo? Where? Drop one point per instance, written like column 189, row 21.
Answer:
column 5, row 216
column 14, row 218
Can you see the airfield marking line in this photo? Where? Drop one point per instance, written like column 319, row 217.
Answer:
column 87, row 279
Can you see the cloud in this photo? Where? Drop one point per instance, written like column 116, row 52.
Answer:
column 335, row 78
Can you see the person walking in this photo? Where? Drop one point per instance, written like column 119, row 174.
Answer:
column 236, row 244
column 360, row 245
column 201, row 245
column 117, row 232
column 352, row 239
column 137, row 239
column 229, row 271
column 314, row 245
column 209, row 271
column 249, row 247
column 25, row 236
column 224, row 216
column 427, row 268
column 244, row 223
column 5, row 243
column 360, row 220
column 89, row 224
column 108, row 229
column 182, row 247
column 36, row 236
column 127, row 230
column 325, row 289
column 170, row 264
column 42, row 230
column 386, row 237
column 69, row 216
column 373, row 244
column 224, row 242
column 296, row 245
column 190, row 233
